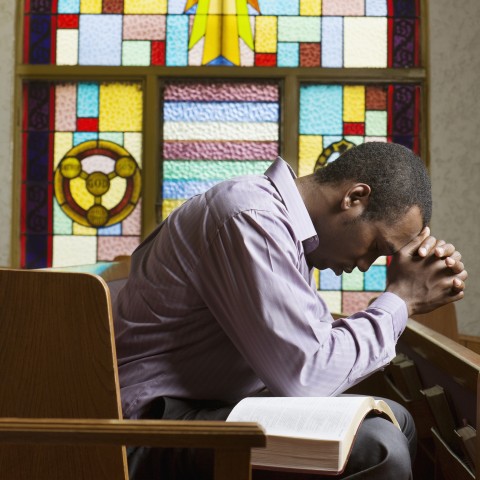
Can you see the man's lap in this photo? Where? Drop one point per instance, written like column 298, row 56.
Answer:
column 378, row 449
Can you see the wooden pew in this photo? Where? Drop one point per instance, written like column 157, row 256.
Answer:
column 60, row 413
column 438, row 360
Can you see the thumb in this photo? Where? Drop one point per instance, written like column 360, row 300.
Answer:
column 412, row 247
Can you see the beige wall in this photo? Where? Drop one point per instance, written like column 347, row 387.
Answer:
column 454, row 147
column 455, row 139
column 7, row 22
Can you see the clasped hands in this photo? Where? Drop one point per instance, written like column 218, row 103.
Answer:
column 427, row 273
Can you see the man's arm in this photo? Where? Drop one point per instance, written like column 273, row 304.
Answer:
column 254, row 280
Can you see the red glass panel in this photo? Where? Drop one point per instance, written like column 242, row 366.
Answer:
column 354, row 128
column 67, row 21
column 158, row 53
column 310, row 55
column 265, row 59
column 87, row 124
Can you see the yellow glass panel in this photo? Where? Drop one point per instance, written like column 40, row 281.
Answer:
column 145, row 6
column 353, row 103
column 333, row 300
column 311, row 7
column 81, row 230
column 168, row 206
column 91, row 6
column 316, row 277
column 120, row 108
column 112, row 198
column 230, row 47
column 63, row 143
column 380, row 261
column 213, row 38
column 310, row 147
column 215, row 6
column 266, row 34
column 230, row 7
column 133, row 143
column 80, row 193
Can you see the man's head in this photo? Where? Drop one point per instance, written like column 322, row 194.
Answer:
column 370, row 202
column 397, row 178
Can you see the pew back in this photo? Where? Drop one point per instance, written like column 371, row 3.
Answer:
column 60, row 412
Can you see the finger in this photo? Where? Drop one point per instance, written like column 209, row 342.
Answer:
column 458, row 285
column 455, row 296
column 455, row 266
column 444, row 250
column 418, row 242
column 462, row 275
column 427, row 246
column 456, row 256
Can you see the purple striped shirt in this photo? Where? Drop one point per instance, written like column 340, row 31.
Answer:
column 221, row 303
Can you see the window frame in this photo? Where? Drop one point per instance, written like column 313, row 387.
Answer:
column 151, row 79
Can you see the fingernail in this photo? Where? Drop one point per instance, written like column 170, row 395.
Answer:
column 440, row 251
column 422, row 251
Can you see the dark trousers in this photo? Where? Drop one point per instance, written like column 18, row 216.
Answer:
column 380, row 452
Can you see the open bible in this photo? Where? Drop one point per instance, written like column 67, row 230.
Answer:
column 309, row 434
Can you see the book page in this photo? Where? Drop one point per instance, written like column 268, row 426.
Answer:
column 328, row 418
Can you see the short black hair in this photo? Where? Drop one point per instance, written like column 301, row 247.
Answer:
column 398, row 179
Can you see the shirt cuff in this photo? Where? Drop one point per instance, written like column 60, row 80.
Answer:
column 396, row 307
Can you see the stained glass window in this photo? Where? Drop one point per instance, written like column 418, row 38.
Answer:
column 81, row 176
column 334, row 118
column 215, row 130
column 170, row 80
column 265, row 33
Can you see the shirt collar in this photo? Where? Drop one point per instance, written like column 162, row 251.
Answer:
column 282, row 176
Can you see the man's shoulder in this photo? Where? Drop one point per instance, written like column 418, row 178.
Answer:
column 240, row 194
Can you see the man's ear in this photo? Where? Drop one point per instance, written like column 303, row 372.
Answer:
column 356, row 197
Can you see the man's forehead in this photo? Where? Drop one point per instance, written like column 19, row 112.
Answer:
column 404, row 230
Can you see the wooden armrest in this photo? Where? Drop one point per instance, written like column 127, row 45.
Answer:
column 155, row 433
column 232, row 441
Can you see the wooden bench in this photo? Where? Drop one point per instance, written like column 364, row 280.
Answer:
column 59, row 399
column 437, row 360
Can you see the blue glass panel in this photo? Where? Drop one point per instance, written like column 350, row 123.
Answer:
column 329, row 139
column 40, row 6
column 39, row 106
column 405, row 140
column 40, row 39
column 185, row 189
column 279, row 7
column 176, row 6
column 62, row 224
column 115, row 137
column 376, row 8
column 287, row 54
column 37, row 211
column 68, row 6
column 36, row 251
column 37, row 156
column 332, row 42
column 376, row 278
column 87, row 100
column 177, row 40
column 79, row 137
column 113, row 230
column 100, row 39
column 321, row 110
column 330, row 281
column 221, row 112
column 404, row 8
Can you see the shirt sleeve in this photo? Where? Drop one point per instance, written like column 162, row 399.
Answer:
column 251, row 279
